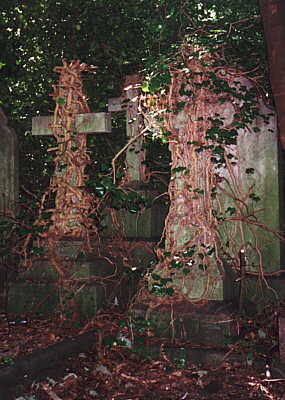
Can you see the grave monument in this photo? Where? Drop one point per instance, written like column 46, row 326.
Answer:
column 71, row 266
column 147, row 224
column 223, row 228
column 9, row 179
column 98, row 273
column 9, row 192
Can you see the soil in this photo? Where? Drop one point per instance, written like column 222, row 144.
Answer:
column 123, row 361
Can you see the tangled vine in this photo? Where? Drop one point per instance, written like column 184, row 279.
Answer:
column 69, row 218
column 212, row 206
column 73, row 204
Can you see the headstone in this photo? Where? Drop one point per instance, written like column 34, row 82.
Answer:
column 68, row 234
column 9, row 180
column 147, row 224
column 128, row 102
column 256, row 151
column 239, row 204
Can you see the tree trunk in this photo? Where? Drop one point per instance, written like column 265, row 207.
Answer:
column 273, row 15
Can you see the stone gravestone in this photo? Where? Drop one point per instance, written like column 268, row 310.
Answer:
column 9, row 188
column 40, row 281
column 206, row 317
column 135, row 154
column 147, row 224
column 9, row 180
column 24, row 296
column 257, row 150
column 39, row 289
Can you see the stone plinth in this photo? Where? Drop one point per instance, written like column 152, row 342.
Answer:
column 100, row 279
column 209, row 323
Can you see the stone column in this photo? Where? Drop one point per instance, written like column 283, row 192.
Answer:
column 9, row 173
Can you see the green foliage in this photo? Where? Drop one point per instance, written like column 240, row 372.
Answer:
column 36, row 35
column 160, row 286
column 7, row 360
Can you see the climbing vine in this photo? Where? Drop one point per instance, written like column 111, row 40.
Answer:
column 66, row 206
column 201, row 110
column 73, row 204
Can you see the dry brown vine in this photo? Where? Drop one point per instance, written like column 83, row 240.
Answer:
column 73, row 204
column 70, row 216
column 195, row 190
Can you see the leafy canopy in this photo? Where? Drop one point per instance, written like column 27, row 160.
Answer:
column 120, row 38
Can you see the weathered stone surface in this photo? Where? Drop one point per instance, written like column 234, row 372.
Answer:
column 256, row 151
column 135, row 153
column 32, row 298
column 209, row 323
column 99, row 278
column 146, row 224
column 9, row 179
column 84, row 123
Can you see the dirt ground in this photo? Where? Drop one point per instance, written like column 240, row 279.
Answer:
column 114, row 368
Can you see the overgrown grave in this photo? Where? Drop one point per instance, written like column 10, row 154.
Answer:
column 222, row 234
column 71, row 271
column 9, row 193
column 146, row 224
column 9, row 174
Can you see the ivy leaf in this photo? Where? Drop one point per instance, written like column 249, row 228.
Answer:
column 254, row 197
column 145, row 86
column 61, row 101
column 186, row 271
column 230, row 210
column 199, row 191
column 155, row 277
column 178, row 169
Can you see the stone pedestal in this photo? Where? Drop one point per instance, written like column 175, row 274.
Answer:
column 208, row 323
column 100, row 279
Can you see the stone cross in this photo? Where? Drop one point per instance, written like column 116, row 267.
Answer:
column 88, row 123
column 73, row 201
column 9, row 180
column 128, row 102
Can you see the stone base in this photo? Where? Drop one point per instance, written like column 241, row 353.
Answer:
column 209, row 323
column 258, row 293
column 99, row 279
column 31, row 298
